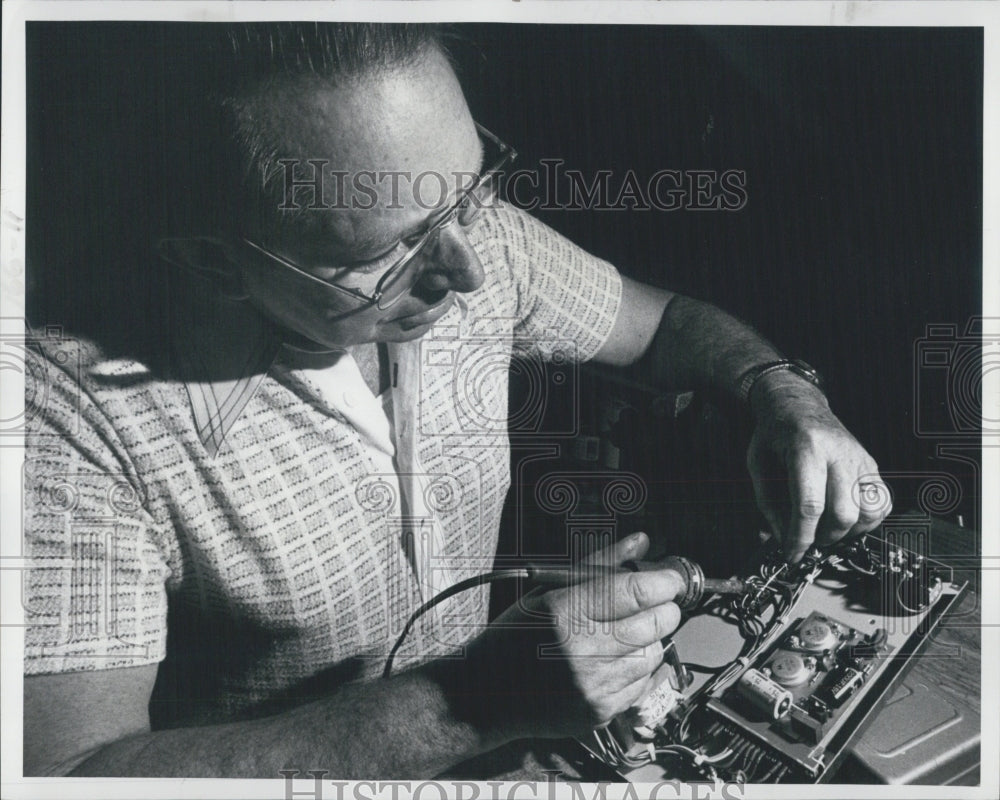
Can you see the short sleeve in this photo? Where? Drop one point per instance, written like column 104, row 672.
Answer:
column 94, row 586
column 564, row 294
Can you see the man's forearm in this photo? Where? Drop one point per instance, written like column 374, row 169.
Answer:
column 401, row 727
column 698, row 345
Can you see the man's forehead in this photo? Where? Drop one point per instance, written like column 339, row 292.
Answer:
column 393, row 146
column 394, row 118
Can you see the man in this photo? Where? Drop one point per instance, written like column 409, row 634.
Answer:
column 298, row 476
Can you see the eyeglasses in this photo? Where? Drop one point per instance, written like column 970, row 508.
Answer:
column 403, row 274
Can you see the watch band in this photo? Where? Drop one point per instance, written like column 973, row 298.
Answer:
column 749, row 378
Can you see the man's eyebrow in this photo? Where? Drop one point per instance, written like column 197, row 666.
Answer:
column 379, row 244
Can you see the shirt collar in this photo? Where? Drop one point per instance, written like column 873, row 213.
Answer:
column 223, row 350
column 217, row 404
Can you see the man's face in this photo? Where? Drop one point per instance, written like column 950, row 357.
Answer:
column 411, row 120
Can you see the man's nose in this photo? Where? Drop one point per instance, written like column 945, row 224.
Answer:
column 453, row 263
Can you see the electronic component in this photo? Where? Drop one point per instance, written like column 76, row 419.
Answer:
column 818, row 635
column 790, row 669
column 653, row 709
column 786, row 669
column 764, row 694
column 821, row 663
column 792, row 691
column 840, row 685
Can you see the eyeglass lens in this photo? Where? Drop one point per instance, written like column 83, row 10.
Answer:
column 397, row 282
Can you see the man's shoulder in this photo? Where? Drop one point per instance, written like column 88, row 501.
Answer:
column 73, row 382
column 56, row 355
column 54, row 348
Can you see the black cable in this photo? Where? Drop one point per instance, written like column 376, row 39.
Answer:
column 451, row 591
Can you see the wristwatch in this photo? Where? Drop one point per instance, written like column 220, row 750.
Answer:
column 797, row 366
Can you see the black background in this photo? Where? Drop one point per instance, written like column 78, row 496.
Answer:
column 862, row 149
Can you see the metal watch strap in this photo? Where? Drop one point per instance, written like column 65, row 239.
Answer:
column 749, row 378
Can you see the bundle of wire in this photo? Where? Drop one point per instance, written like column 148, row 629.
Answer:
column 903, row 570
column 716, row 751
column 760, row 613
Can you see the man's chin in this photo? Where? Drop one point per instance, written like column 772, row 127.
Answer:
column 390, row 332
column 408, row 327
column 304, row 344
column 397, row 333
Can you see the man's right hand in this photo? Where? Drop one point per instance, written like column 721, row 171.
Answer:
column 565, row 660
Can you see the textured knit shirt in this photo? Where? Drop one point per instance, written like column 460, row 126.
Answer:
column 224, row 520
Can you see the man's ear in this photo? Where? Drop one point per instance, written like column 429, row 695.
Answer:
column 210, row 257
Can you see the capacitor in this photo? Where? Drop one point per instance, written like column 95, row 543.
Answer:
column 764, row 694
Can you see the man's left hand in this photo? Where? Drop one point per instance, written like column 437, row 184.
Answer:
column 814, row 483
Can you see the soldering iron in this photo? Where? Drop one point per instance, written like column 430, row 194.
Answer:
column 696, row 585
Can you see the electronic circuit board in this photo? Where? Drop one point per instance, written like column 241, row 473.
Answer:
column 788, row 709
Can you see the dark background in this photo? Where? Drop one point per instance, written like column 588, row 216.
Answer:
column 862, row 149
